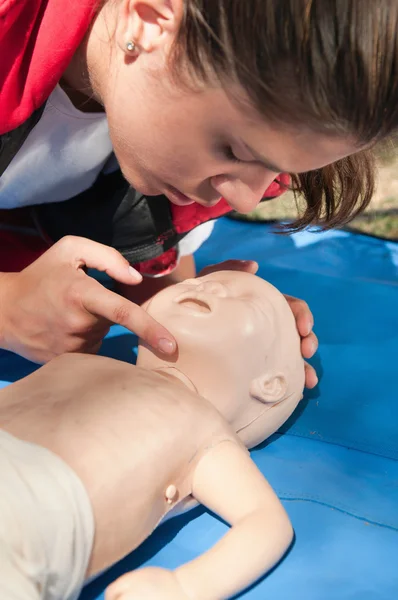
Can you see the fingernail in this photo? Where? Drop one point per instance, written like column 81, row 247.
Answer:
column 166, row 346
column 135, row 274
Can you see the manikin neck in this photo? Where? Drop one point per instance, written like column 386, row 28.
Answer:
column 177, row 376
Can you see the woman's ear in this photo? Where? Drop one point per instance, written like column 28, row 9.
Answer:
column 147, row 23
column 269, row 388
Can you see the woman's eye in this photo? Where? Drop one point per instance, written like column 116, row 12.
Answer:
column 229, row 153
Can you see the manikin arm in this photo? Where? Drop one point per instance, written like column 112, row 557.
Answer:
column 228, row 483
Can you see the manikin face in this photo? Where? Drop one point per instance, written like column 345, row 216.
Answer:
column 238, row 348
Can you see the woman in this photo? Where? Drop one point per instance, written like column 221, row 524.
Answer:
column 199, row 100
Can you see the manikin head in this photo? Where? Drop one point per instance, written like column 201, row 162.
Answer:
column 238, row 347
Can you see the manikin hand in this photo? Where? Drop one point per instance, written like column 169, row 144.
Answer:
column 151, row 583
column 53, row 307
column 300, row 309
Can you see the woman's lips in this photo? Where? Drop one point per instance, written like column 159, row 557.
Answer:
column 178, row 198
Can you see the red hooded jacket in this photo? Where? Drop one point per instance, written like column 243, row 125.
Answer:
column 37, row 41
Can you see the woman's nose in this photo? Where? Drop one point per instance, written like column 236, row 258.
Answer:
column 243, row 195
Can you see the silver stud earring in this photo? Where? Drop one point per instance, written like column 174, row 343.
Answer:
column 130, row 46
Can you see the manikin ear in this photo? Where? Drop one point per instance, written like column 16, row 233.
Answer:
column 148, row 24
column 269, row 388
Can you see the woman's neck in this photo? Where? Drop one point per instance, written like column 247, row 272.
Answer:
column 80, row 100
column 77, row 85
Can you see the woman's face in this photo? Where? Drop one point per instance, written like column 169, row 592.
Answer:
column 194, row 146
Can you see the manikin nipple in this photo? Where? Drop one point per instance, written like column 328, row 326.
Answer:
column 171, row 494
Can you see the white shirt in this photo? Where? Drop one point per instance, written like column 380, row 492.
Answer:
column 62, row 157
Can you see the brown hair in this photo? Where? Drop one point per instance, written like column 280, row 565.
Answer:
column 329, row 64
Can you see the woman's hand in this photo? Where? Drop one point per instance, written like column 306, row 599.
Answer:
column 309, row 341
column 53, row 306
column 300, row 309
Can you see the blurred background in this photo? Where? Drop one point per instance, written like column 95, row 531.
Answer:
column 380, row 218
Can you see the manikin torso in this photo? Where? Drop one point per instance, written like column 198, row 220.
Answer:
column 169, row 428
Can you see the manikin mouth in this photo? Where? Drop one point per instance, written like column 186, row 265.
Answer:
column 196, row 303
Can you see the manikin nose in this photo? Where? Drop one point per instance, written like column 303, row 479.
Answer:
column 212, row 287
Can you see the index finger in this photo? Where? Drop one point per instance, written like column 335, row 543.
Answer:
column 98, row 300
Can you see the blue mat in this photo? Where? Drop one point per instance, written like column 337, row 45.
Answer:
column 335, row 464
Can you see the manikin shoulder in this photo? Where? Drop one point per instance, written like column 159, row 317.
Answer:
column 99, row 395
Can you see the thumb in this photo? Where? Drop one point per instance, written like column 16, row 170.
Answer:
column 87, row 253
